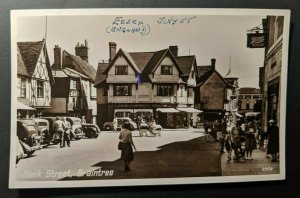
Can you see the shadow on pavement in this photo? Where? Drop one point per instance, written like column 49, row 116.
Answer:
column 193, row 158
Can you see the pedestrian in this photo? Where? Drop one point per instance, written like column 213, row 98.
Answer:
column 191, row 125
column 83, row 121
column 125, row 138
column 59, row 128
column 273, row 140
column 217, row 127
column 250, row 131
column 115, row 124
column 67, row 134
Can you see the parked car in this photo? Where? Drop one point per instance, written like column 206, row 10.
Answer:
column 90, row 130
column 27, row 132
column 108, row 126
column 53, row 134
column 42, row 126
column 23, row 150
column 76, row 130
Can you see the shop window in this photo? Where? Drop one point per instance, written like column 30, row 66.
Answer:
column 166, row 70
column 165, row 90
column 121, row 70
column 122, row 90
column 40, row 89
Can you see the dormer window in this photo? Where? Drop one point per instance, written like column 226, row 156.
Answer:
column 166, row 70
column 121, row 69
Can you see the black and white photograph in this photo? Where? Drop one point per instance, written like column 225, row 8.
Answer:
column 126, row 97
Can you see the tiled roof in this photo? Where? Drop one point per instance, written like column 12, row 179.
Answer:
column 85, row 68
column 100, row 77
column 29, row 52
column 131, row 60
column 157, row 56
column 203, row 70
column 249, row 90
column 21, row 66
column 73, row 73
column 185, row 63
column 141, row 59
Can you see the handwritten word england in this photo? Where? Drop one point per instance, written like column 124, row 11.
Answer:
column 175, row 20
column 132, row 26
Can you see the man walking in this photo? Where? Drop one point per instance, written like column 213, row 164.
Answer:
column 59, row 128
column 67, row 127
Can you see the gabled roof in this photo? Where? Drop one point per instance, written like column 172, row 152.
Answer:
column 156, row 60
column 86, row 69
column 207, row 75
column 185, row 63
column 127, row 57
column 203, row 70
column 141, row 59
column 73, row 73
column 21, row 66
column 100, row 76
column 29, row 53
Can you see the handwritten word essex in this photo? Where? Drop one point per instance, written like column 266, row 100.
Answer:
column 133, row 26
column 174, row 20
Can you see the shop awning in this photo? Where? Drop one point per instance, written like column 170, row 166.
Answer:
column 143, row 110
column 189, row 110
column 167, row 110
column 239, row 115
column 22, row 106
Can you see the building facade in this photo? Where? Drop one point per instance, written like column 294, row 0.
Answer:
column 249, row 98
column 34, row 79
column 270, row 73
column 155, row 85
column 73, row 93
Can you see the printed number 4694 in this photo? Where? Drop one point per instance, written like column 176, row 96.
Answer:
column 267, row 168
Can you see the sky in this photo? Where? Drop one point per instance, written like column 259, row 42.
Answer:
column 206, row 37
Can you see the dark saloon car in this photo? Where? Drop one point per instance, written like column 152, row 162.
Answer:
column 76, row 130
column 54, row 135
column 90, row 130
column 27, row 132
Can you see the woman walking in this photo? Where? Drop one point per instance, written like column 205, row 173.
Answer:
column 250, row 138
column 273, row 142
column 127, row 144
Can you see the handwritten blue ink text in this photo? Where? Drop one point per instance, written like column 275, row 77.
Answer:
column 175, row 20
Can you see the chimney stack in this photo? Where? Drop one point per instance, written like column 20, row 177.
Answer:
column 112, row 50
column 82, row 51
column 213, row 63
column 174, row 50
column 57, row 58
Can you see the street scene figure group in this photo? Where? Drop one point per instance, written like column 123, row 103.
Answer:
column 63, row 128
column 242, row 138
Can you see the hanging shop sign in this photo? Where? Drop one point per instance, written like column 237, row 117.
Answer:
column 256, row 40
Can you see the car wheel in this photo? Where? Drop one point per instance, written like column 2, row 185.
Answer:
column 108, row 128
column 95, row 135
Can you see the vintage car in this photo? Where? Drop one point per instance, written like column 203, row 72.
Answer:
column 108, row 126
column 23, row 150
column 76, row 130
column 90, row 130
column 27, row 132
column 54, row 135
column 42, row 126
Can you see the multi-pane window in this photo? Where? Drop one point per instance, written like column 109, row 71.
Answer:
column 247, row 96
column 165, row 90
column 122, row 90
column 121, row 70
column 166, row 70
column 241, row 97
column 40, row 89
column 23, row 88
column 255, row 96
column 181, row 90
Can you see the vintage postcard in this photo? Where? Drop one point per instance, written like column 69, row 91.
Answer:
column 121, row 97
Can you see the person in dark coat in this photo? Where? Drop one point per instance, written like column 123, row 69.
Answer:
column 273, row 140
column 127, row 144
column 250, row 138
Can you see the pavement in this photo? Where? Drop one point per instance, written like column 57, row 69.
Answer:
column 260, row 165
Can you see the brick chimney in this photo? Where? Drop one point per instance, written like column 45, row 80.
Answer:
column 82, row 51
column 213, row 63
column 112, row 50
column 57, row 58
column 174, row 50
